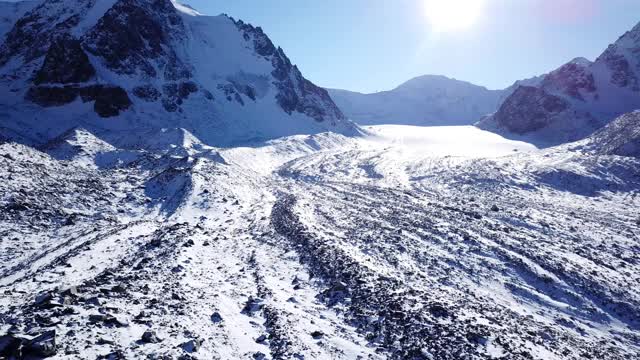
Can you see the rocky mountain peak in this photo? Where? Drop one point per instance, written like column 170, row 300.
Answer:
column 135, row 36
column 622, row 59
column 573, row 79
column 293, row 87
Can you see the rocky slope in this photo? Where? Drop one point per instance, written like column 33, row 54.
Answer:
column 573, row 101
column 412, row 243
column 427, row 100
column 620, row 137
column 10, row 12
column 133, row 65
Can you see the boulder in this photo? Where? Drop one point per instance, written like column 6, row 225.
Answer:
column 216, row 317
column 150, row 337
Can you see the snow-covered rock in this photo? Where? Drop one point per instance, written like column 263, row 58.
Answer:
column 10, row 12
column 136, row 65
column 620, row 137
column 573, row 101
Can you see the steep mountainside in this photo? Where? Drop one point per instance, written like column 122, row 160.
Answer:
column 134, row 65
column 10, row 12
column 620, row 137
column 425, row 100
column 573, row 101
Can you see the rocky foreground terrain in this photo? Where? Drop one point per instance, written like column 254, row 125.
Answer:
column 394, row 245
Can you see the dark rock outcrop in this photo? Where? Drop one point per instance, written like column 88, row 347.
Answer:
column 622, row 59
column 573, row 79
column 23, row 347
column 261, row 42
column 108, row 101
column 47, row 96
column 622, row 74
column 147, row 92
column 32, row 35
column 231, row 93
column 133, row 33
column 65, row 63
column 529, row 109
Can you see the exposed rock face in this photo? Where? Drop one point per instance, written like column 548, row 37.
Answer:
column 10, row 12
column 295, row 93
column 573, row 79
column 621, row 137
column 622, row 59
column 529, row 109
column 134, row 33
column 147, row 93
column 622, row 74
column 108, row 101
column 176, row 93
column 65, row 63
column 33, row 34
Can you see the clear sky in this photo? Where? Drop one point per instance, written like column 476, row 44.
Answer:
column 372, row 45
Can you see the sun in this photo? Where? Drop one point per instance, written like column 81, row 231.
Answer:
column 453, row 15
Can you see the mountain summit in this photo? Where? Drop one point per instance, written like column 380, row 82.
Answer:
column 425, row 100
column 151, row 64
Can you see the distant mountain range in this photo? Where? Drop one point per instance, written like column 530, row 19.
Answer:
column 429, row 100
column 425, row 100
column 567, row 104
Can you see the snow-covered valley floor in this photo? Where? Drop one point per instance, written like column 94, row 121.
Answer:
column 407, row 243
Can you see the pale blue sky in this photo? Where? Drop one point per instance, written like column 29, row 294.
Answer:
column 371, row 45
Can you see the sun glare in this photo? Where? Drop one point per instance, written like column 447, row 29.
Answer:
column 453, row 15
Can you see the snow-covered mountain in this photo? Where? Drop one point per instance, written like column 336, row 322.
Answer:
column 425, row 100
column 142, row 65
column 573, row 101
